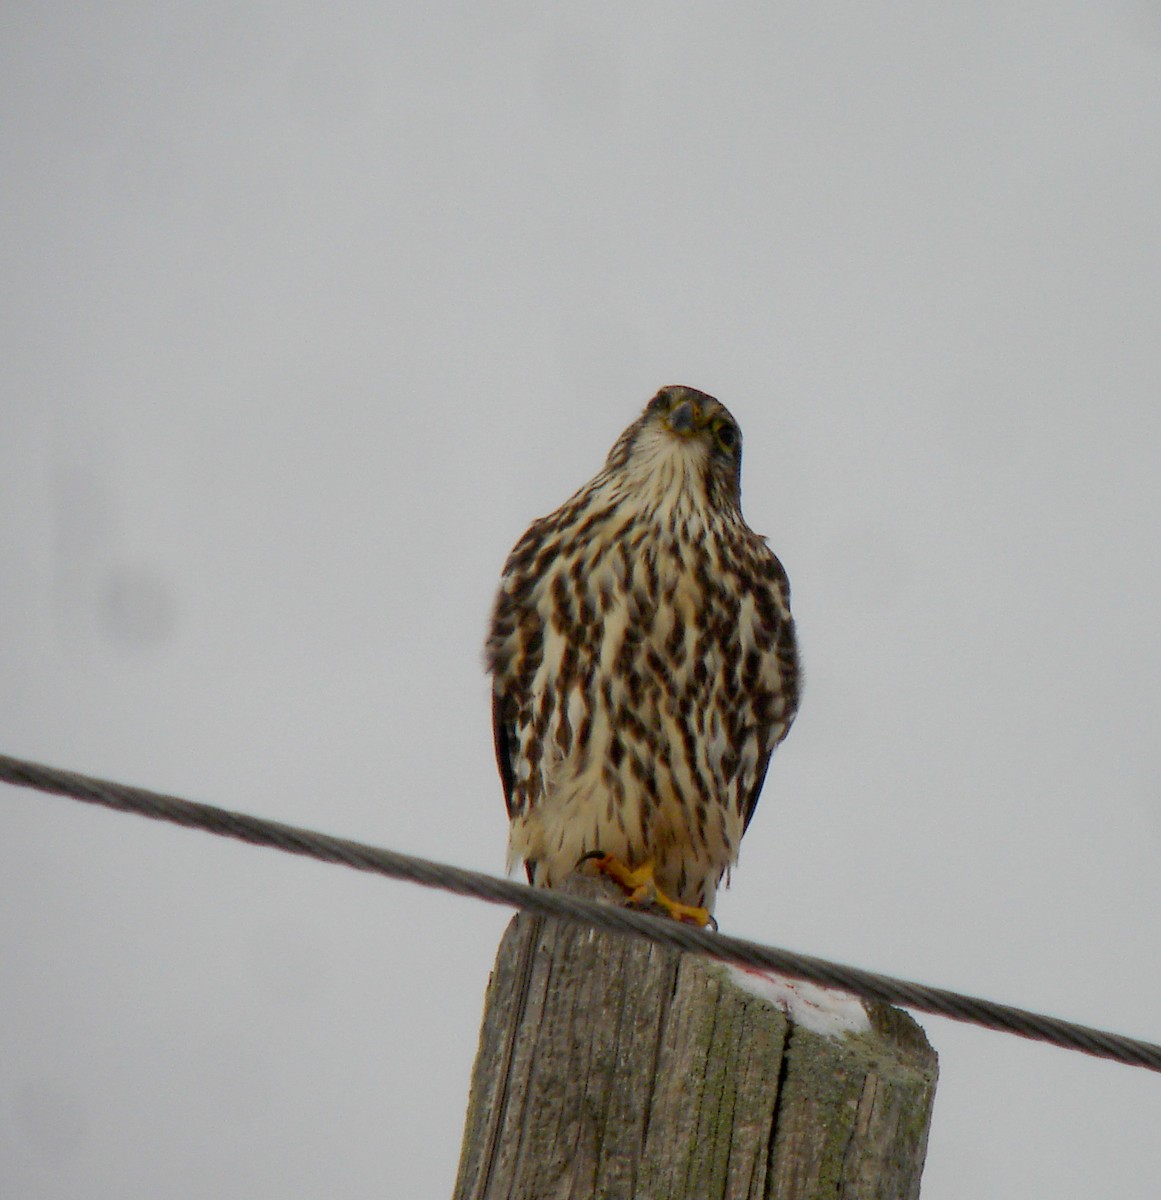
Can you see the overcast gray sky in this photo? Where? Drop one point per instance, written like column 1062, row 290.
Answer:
column 308, row 309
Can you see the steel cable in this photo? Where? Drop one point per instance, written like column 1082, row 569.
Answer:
column 494, row 890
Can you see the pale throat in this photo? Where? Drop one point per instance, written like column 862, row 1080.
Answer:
column 665, row 476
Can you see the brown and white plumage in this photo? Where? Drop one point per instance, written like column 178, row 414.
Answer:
column 643, row 659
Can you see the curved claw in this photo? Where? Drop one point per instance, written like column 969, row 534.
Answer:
column 641, row 889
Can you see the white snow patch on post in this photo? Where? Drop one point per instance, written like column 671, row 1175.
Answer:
column 821, row 1010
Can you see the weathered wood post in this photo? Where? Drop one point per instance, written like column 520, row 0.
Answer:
column 611, row 1067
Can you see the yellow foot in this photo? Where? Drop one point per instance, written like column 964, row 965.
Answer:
column 642, row 890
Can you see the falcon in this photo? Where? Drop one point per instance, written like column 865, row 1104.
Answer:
column 644, row 666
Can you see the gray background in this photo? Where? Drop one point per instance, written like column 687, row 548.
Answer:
column 307, row 310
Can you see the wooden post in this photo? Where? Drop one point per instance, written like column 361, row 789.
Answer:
column 614, row 1068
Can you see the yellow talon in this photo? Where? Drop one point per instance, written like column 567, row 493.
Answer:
column 642, row 890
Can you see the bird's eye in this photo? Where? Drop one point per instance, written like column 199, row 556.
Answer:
column 726, row 436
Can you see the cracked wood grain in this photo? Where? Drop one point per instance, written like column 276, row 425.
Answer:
column 611, row 1067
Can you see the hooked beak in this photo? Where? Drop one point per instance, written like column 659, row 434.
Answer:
column 684, row 418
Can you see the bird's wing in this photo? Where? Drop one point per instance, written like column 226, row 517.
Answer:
column 785, row 656
column 756, row 790
column 502, row 735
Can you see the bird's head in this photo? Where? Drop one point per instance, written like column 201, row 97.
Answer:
column 684, row 438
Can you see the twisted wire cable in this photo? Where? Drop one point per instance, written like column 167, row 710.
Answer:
column 494, row 890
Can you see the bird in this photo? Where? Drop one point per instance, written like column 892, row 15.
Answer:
column 644, row 666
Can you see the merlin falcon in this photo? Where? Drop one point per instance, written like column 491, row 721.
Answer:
column 644, row 666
